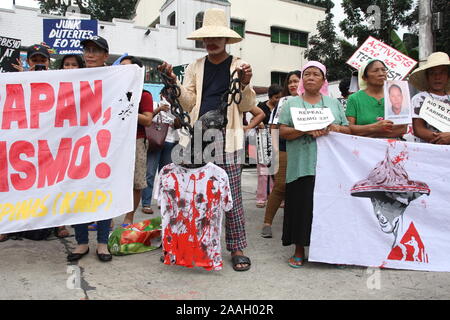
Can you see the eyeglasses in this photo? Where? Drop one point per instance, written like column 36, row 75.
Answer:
column 94, row 51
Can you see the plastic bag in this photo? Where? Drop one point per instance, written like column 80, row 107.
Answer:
column 136, row 238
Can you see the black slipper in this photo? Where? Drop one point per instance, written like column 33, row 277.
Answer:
column 76, row 256
column 103, row 257
column 241, row 260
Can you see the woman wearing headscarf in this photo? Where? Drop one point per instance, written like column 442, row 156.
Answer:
column 433, row 80
column 302, row 157
column 365, row 108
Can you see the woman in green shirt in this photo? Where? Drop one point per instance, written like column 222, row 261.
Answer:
column 365, row 108
column 302, row 155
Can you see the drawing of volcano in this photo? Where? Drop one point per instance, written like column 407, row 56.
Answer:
column 391, row 191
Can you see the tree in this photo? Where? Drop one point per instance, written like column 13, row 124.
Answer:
column 442, row 36
column 328, row 49
column 393, row 14
column 104, row 10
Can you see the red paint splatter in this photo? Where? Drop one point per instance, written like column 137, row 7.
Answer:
column 356, row 153
column 402, row 156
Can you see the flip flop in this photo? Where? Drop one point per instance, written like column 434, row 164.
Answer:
column 147, row 210
column 4, row 237
column 124, row 225
column 241, row 260
column 296, row 259
column 92, row 227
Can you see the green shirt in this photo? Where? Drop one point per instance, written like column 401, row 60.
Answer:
column 364, row 108
column 302, row 152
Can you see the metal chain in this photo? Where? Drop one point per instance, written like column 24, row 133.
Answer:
column 216, row 119
column 172, row 92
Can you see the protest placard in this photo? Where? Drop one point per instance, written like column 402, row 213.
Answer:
column 311, row 119
column 67, row 149
column 9, row 53
column 436, row 114
column 398, row 64
column 65, row 35
column 397, row 105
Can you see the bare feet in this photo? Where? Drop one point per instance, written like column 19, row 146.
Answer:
column 81, row 248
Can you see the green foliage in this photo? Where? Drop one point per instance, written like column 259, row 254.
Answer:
column 104, row 10
column 394, row 15
column 329, row 50
column 442, row 37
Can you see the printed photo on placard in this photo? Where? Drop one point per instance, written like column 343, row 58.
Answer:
column 397, row 104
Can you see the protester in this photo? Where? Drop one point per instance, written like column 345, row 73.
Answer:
column 157, row 159
column 302, row 155
column 365, row 108
column 96, row 52
column 205, row 81
column 433, row 81
column 265, row 181
column 276, row 197
column 72, row 61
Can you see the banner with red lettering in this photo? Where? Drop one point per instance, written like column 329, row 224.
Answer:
column 67, row 148
column 381, row 203
column 398, row 64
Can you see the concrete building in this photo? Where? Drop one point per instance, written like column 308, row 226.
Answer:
column 275, row 32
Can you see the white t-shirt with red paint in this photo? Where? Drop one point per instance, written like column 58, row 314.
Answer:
column 193, row 202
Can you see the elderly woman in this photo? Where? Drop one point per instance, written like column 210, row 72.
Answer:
column 365, row 108
column 302, row 153
column 433, row 80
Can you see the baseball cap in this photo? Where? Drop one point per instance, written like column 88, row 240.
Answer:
column 99, row 41
column 37, row 49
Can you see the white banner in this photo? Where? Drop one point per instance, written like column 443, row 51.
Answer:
column 67, row 149
column 381, row 203
column 398, row 64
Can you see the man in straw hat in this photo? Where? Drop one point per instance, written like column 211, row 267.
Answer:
column 205, row 81
column 433, row 80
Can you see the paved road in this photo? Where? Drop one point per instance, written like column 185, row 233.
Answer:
column 38, row 270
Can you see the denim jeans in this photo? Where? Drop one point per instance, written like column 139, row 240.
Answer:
column 156, row 160
column 82, row 232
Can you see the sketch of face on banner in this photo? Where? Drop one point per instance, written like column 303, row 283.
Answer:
column 397, row 105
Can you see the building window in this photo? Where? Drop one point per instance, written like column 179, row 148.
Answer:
column 238, row 26
column 278, row 78
column 198, row 24
column 289, row 37
column 171, row 19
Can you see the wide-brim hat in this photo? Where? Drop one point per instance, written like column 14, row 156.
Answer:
column 419, row 77
column 215, row 25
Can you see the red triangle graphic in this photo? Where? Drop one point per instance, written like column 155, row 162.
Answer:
column 412, row 248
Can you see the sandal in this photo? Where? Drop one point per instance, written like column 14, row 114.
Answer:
column 298, row 262
column 92, row 227
column 61, row 232
column 261, row 204
column 4, row 237
column 241, row 260
column 147, row 210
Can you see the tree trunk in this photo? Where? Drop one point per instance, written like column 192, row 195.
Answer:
column 426, row 37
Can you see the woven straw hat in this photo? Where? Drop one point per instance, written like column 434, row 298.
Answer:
column 215, row 25
column 419, row 78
